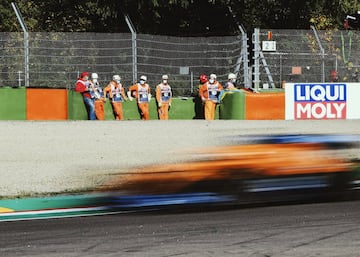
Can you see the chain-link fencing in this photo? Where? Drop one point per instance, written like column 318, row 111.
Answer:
column 56, row 59
column 311, row 56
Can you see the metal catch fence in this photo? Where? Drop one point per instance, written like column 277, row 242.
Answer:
column 311, row 56
column 56, row 59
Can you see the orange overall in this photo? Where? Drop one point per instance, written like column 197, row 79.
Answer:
column 99, row 109
column 117, row 96
column 209, row 94
column 141, row 93
column 98, row 95
column 163, row 98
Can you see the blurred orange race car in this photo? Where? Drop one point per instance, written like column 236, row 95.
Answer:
column 257, row 168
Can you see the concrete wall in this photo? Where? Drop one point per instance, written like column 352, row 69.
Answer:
column 62, row 104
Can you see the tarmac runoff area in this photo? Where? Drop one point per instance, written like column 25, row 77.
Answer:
column 50, row 157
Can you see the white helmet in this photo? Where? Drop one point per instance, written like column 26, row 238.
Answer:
column 94, row 76
column 143, row 78
column 116, row 77
column 165, row 77
column 212, row 76
column 231, row 76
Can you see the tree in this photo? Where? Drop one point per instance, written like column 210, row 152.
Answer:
column 8, row 19
column 172, row 17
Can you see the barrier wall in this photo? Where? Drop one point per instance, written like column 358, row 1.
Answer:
column 46, row 104
column 76, row 108
column 265, row 106
column 12, row 103
column 233, row 106
column 62, row 104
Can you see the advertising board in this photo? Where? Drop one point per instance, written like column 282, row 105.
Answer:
column 315, row 101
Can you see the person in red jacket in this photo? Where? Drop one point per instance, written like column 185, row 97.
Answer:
column 198, row 103
column 83, row 86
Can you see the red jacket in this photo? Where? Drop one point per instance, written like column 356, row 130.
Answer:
column 81, row 88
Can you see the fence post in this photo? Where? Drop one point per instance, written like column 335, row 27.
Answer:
column 134, row 50
column 256, row 42
column 245, row 57
column 322, row 52
column 26, row 41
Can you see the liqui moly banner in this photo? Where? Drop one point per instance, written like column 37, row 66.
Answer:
column 322, row 101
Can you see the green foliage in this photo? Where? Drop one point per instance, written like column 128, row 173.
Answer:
column 174, row 17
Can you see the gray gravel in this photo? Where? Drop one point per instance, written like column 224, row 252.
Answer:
column 41, row 157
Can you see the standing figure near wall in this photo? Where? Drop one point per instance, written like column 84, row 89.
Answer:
column 209, row 93
column 83, row 86
column 163, row 98
column 98, row 95
column 198, row 103
column 116, row 93
column 230, row 84
column 141, row 91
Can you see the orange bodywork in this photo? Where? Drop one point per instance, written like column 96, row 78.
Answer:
column 234, row 163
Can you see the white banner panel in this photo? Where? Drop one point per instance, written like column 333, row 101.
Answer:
column 318, row 101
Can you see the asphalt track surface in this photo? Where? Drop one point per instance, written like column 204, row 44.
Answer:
column 316, row 229
column 50, row 157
